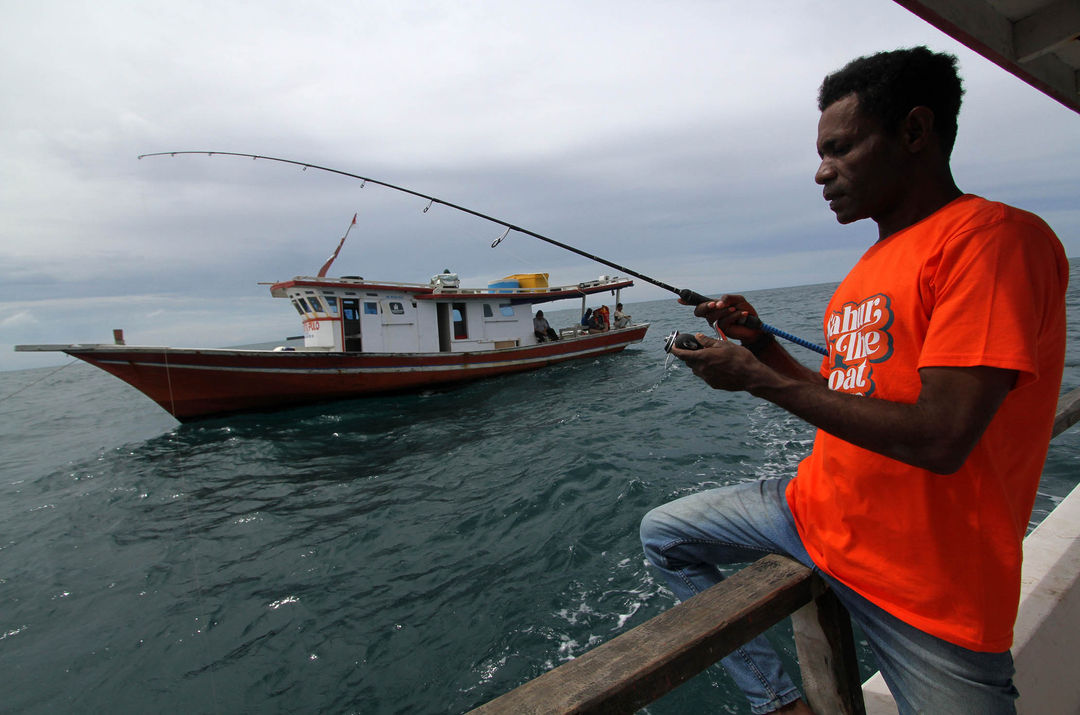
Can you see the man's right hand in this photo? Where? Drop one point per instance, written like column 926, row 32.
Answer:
column 728, row 314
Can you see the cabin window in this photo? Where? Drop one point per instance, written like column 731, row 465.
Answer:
column 397, row 308
column 316, row 306
column 461, row 328
column 304, row 305
column 331, row 302
column 498, row 312
column 506, row 312
column 298, row 308
column 371, row 308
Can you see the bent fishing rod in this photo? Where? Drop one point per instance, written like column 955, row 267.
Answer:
column 687, row 296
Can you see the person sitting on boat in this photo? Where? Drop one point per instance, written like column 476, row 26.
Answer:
column 599, row 321
column 621, row 318
column 934, row 408
column 542, row 329
column 586, row 320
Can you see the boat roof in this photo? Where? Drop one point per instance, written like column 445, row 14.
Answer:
column 428, row 291
column 1036, row 40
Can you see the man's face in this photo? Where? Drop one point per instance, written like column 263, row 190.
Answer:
column 861, row 165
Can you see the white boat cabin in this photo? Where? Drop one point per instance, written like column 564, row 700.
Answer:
column 350, row 314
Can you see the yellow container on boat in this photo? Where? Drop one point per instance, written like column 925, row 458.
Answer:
column 530, row 280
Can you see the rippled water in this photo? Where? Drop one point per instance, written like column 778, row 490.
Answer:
column 408, row 554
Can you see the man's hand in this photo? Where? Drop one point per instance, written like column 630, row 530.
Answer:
column 728, row 314
column 722, row 364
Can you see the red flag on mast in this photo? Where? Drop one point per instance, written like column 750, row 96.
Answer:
column 326, row 266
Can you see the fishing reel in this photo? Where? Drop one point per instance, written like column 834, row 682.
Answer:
column 683, row 341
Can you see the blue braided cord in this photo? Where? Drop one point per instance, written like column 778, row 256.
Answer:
column 794, row 339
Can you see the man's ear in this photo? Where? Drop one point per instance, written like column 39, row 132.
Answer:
column 917, row 128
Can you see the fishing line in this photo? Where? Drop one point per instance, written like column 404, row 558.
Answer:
column 202, row 629
column 46, row 377
column 180, row 468
column 687, row 296
column 168, row 378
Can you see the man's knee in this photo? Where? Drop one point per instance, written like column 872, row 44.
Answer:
column 655, row 534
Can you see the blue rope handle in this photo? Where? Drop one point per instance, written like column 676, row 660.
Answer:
column 794, row 339
column 753, row 322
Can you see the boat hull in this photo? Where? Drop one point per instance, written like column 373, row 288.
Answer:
column 193, row 384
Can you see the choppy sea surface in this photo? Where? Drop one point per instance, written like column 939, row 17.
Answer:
column 409, row 554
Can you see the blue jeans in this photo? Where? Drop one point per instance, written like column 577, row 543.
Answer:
column 688, row 538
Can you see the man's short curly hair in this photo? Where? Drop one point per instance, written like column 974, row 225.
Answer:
column 891, row 84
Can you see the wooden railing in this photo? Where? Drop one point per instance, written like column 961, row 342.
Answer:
column 1068, row 412
column 639, row 666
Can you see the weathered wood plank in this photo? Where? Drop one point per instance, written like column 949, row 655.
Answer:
column 826, row 648
column 650, row 660
column 1068, row 412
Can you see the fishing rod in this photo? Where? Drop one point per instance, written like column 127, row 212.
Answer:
column 687, row 296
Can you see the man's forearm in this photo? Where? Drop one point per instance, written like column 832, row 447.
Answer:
column 936, row 433
column 776, row 357
column 867, row 423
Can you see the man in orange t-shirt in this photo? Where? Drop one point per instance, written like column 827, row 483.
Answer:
column 934, row 407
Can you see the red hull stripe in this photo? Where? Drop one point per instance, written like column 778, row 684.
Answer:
column 192, row 383
column 412, row 367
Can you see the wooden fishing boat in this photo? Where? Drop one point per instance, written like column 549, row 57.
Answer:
column 364, row 337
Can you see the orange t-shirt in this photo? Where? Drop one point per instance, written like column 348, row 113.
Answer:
column 975, row 283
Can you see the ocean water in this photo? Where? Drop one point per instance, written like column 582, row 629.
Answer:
column 409, row 554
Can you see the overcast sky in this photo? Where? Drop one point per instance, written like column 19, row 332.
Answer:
column 676, row 138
